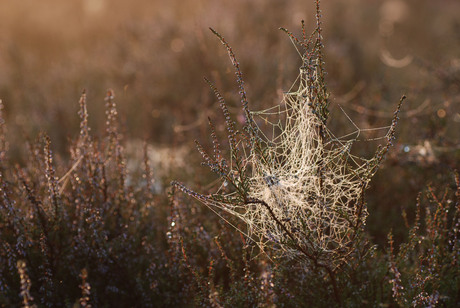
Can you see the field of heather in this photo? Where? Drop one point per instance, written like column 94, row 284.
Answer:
column 260, row 153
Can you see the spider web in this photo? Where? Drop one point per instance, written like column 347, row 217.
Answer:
column 312, row 183
column 307, row 188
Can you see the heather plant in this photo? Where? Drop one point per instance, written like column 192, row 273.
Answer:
column 85, row 290
column 425, row 270
column 296, row 186
column 222, row 270
column 86, row 228
column 27, row 299
column 76, row 230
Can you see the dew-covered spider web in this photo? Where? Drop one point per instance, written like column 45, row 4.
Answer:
column 304, row 186
column 311, row 181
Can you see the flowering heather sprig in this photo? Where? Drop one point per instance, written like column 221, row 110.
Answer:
column 27, row 299
column 397, row 288
column 85, row 137
column 147, row 172
column 188, row 191
column 3, row 142
column 390, row 136
column 239, row 78
column 8, row 205
column 111, row 122
column 53, row 190
column 208, row 161
column 319, row 42
column 295, row 39
column 46, row 279
column 12, row 223
column 173, row 235
column 313, row 69
column 251, row 126
column 228, row 120
column 85, row 289
column 114, row 148
column 40, row 213
column 216, row 146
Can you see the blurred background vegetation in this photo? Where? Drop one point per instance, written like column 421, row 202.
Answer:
column 155, row 53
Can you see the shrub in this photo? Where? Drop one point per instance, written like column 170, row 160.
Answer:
column 88, row 229
column 297, row 187
column 425, row 271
